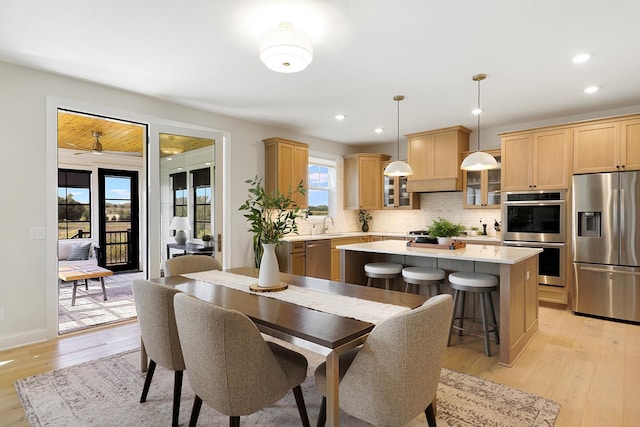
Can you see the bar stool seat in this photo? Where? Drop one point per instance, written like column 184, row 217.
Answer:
column 420, row 276
column 382, row 270
column 477, row 283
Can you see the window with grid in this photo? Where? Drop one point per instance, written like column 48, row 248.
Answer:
column 179, row 189
column 202, row 201
column 74, row 204
column 321, row 187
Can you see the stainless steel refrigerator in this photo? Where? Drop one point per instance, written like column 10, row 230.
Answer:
column 606, row 245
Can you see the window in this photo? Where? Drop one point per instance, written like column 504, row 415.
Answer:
column 179, row 188
column 321, row 187
column 202, row 201
column 74, row 204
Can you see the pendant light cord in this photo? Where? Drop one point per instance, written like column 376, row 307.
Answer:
column 479, row 112
column 398, row 139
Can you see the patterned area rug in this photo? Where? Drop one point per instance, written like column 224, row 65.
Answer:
column 90, row 309
column 106, row 392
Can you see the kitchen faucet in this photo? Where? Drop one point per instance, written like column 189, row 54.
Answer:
column 324, row 221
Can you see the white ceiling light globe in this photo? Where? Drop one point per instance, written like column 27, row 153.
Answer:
column 286, row 49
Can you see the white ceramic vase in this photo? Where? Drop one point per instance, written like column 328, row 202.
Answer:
column 445, row 241
column 269, row 276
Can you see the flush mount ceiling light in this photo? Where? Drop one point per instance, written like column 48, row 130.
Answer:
column 286, row 49
column 479, row 160
column 398, row 168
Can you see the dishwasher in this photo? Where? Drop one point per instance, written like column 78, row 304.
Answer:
column 318, row 259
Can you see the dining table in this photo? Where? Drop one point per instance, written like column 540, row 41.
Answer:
column 325, row 333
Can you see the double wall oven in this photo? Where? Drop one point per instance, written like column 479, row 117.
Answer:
column 537, row 219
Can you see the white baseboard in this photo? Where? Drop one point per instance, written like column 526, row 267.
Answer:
column 23, row 338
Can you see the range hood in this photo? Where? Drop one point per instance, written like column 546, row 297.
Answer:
column 434, row 185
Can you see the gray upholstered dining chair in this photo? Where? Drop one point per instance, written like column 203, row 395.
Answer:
column 393, row 377
column 190, row 264
column 229, row 364
column 154, row 305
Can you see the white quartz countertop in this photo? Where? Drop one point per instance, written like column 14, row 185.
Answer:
column 472, row 252
column 336, row 235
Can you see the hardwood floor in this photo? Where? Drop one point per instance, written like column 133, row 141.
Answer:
column 590, row 366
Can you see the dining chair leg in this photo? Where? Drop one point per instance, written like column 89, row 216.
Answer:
column 147, row 381
column 431, row 416
column 234, row 421
column 322, row 415
column 195, row 411
column 177, row 391
column 302, row 408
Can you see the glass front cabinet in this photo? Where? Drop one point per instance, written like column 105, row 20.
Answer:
column 395, row 194
column 482, row 188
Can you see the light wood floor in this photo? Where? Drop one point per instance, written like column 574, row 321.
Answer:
column 590, row 366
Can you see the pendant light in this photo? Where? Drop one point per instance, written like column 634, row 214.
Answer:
column 398, row 168
column 479, row 160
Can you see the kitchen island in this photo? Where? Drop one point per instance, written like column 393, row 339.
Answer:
column 517, row 269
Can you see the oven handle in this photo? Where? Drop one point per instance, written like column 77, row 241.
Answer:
column 534, row 203
column 533, row 244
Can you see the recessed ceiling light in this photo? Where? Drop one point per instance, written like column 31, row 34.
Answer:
column 591, row 89
column 476, row 111
column 339, row 116
column 378, row 130
column 582, row 57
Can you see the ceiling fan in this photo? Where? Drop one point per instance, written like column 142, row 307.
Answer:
column 97, row 149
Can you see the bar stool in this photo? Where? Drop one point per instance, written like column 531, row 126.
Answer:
column 382, row 270
column 477, row 283
column 432, row 277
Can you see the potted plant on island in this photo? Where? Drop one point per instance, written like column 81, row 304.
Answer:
column 444, row 230
column 365, row 218
column 271, row 216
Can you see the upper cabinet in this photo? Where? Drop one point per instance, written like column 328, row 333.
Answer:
column 395, row 194
column 537, row 160
column 606, row 146
column 363, row 180
column 435, row 157
column 286, row 165
column 482, row 189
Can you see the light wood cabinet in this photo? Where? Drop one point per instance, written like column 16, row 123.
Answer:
column 395, row 194
column 363, row 181
column 286, row 165
column 481, row 189
column 607, row 146
column 335, row 253
column 536, row 160
column 435, row 157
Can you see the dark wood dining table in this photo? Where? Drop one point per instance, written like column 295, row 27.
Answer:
column 327, row 334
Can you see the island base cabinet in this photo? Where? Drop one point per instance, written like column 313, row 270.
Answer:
column 518, row 308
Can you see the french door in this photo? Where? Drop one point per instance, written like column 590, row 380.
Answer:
column 119, row 209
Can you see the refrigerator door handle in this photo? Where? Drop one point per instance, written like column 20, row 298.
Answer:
column 623, row 231
column 615, row 217
column 605, row 270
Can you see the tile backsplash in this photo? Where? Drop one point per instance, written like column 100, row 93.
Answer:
column 447, row 205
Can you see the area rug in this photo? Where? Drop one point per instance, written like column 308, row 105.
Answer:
column 106, row 392
column 90, row 308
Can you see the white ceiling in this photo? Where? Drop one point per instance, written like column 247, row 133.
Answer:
column 204, row 53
